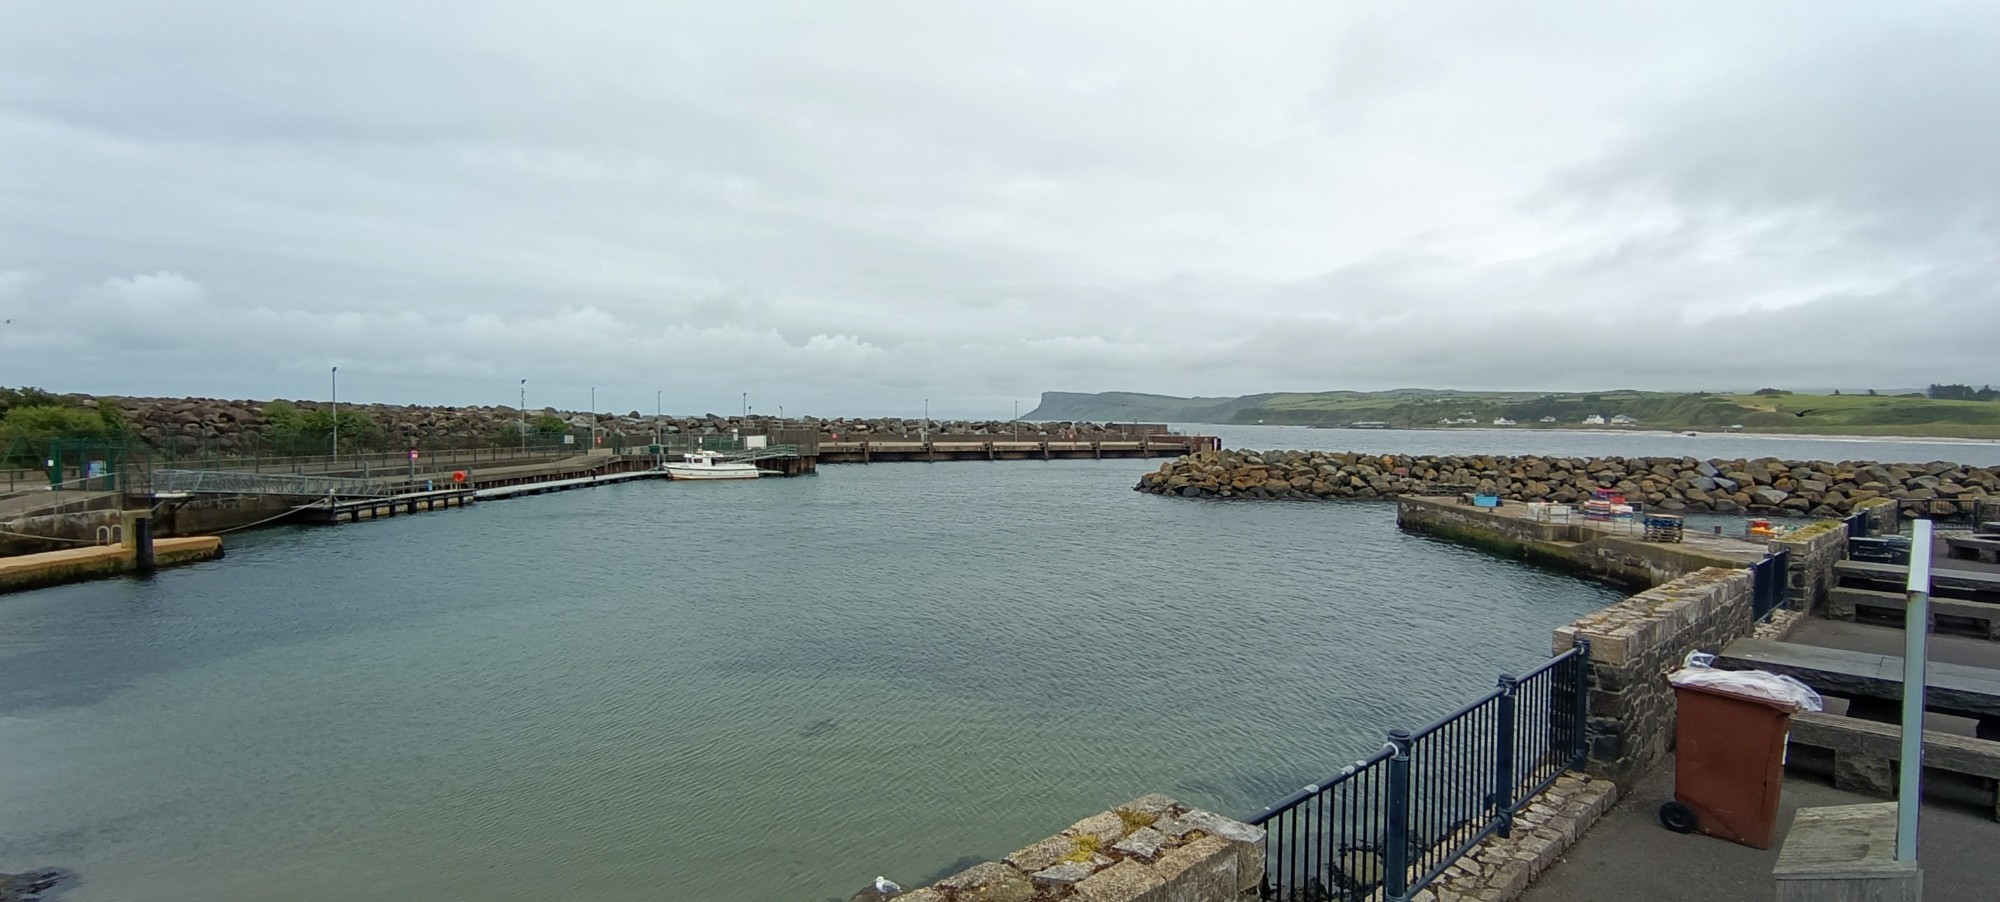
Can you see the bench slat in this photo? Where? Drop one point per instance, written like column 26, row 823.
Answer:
column 1944, row 751
column 1952, row 688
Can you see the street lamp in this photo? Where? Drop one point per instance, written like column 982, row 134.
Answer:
column 593, row 417
column 524, row 416
column 336, row 414
column 924, row 428
column 746, row 405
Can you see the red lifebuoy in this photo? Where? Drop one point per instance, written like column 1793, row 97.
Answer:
column 458, row 476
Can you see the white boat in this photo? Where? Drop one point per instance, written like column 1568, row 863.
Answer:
column 703, row 465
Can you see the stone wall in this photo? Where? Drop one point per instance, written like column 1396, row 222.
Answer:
column 1571, row 546
column 1151, row 849
column 1809, row 572
column 1766, row 485
column 1634, row 644
column 1885, row 516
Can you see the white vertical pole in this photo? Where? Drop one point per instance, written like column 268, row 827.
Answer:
column 1916, row 636
column 336, row 414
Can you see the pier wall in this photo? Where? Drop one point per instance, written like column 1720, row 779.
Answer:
column 1634, row 644
column 1568, row 545
column 1809, row 572
column 1147, row 850
column 50, row 568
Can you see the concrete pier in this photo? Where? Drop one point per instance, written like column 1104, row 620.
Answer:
column 990, row 447
column 1611, row 550
column 49, row 568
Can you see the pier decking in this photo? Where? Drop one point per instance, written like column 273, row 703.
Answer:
column 48, row 568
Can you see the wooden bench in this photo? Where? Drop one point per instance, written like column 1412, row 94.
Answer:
column 1844, row 603
column 1973, row 548
column 1978, row 584
column 1951, row 688
column 1865, row 752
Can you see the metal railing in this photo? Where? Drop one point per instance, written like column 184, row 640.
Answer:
column 1770, row 583
column 1393, row 822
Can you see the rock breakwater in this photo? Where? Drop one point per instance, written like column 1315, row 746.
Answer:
column 1765, row 485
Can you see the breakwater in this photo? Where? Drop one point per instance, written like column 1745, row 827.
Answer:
column 1766, row 485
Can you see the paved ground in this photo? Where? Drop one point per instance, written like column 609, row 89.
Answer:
column 1629, row 857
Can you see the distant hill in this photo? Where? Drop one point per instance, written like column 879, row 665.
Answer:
column 1113, row 406
column 1844, row 414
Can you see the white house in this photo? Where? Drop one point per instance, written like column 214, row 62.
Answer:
column 1502, row 421
column 1622, row 420
column 1548, row 419
column 1595, row 419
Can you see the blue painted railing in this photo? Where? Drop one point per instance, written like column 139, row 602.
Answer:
column 1392, row 823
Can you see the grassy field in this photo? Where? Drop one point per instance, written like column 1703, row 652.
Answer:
column 1807, row 414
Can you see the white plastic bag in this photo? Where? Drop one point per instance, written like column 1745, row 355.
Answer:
column 1757, row 684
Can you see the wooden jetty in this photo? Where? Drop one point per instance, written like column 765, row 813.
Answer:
column 352, row 510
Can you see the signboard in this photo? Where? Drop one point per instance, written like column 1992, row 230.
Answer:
column 569, row 439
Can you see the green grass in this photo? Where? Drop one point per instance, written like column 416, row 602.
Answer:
column 1844, row 414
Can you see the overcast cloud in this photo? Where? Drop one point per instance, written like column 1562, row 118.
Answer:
column 846, row 208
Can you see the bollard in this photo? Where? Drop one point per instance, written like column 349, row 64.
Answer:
column 142, row 543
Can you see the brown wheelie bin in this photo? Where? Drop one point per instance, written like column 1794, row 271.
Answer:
column 1729, row 765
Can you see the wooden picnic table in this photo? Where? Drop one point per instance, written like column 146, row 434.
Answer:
column 1898, row 575
column 1950, row 688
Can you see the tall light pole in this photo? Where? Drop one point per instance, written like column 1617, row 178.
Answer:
column 524, row 415
column 746, row 405
column 659, row 437
column 924, row 428
column 336, row 414
column 593, row 417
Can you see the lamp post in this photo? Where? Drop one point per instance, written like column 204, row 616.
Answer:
column 524, row 416
column 746, row 405
column 924, row 428
column 659, row 437
column 336, row 414
column 593, row 417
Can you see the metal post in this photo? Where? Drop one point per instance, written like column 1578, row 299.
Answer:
column 524, row 416
column 1916, row 633
column 1396, row 845
column 1580, row 714
column 593, row 417
column 1502, row 799
column 336, row 414
column 142, row 544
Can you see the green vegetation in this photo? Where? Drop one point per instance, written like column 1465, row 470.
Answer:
column 292, row 431
column 1764, row 410
column 32, row 421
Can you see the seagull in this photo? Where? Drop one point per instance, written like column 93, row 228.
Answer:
column 886, row 887
column 1804, row 412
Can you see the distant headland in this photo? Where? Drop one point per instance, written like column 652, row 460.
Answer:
column 1941, row 411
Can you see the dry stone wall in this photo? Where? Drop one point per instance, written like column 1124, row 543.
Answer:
column 1634, row 644
column 1150, row 849
column 1765, row 485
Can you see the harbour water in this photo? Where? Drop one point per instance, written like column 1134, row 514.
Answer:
column 763, row 691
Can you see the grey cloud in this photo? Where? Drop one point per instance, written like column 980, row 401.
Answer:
column 854, row 207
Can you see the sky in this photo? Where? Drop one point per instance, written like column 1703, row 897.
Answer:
column 858, row 208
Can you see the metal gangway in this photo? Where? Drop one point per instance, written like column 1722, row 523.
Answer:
column 236, row 482
column 753, row 455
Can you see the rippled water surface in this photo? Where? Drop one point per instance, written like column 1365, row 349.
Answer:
column 764, row 691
